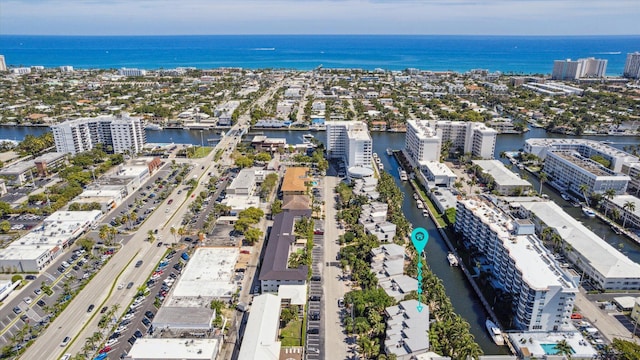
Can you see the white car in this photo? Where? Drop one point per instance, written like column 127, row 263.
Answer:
column 128, row 317
column 111, row 342
column 27, row 300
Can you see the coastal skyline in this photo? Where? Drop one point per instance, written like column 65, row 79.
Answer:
column 200, row 17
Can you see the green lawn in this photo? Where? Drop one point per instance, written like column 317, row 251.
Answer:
column 201, row 151
column 291, row 335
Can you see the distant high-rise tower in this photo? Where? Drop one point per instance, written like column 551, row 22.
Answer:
column 632, row 66
column 593, row 68
column 566, row 69
column 581, row 68
column 3, row 65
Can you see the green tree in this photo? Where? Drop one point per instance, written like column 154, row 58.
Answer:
column 625, row 350
column 86, row 243
column 276, row 207
column 262, row 157
column 543, row 179
column 243, row 162
column 563, row 348
column 252, row 235
column 630, row 207
column 5, row 226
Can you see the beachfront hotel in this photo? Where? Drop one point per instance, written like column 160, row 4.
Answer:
column 349, row 141
column 632, row 66
column 543, row 292
column 117, row 134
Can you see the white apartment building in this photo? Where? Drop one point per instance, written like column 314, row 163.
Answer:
column 131, row 72
column 3, row 64
column 581, row 68
column 21, row 70
column 596, row 259
column 422, row 143
column 587, row 148
column 543, row 292
column 118, row 134
column 566, row 69
column 66, row 68
column 349, row 141
column 468, row 137
column 569, row 170
column 630, row 218
column 632, row 66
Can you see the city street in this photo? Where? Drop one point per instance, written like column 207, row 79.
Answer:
column 334, row 288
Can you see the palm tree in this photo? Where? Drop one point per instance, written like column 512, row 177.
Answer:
column 150, row 236
column 583, row 189
column 103, row 232
column 543, row 179
column 172, row 230
column 563, row 348
column 630, row 207
column 608, row 194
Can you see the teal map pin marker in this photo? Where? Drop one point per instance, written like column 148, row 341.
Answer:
column 419, row 238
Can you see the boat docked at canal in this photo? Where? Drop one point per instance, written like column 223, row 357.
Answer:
column 403, row 175
column 420, row 205
column 565, row 197
column 389, row 151
column 453, row 260
column 588, row 212
column 495, row 332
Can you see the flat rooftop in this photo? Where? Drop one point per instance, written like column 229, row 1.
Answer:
column 208, row 274
column 538, row 267
column 500, row 173
column 603, row 257
column 246, row 179
column 438, row 169
column 170, row 349
column 583, row 163
column 261, row 334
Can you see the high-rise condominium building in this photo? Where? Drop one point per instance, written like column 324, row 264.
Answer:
column 467, row 137
column 632, row 66
column 117, row 134
column 422, row 143
column 349, row 141
column 3, row 65
column 581, row 68
column 542, row 293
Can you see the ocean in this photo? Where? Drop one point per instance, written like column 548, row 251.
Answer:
column 508, row 54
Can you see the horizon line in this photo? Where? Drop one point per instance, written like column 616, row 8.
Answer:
column 346, row 34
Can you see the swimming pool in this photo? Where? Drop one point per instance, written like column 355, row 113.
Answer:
column 550, row 349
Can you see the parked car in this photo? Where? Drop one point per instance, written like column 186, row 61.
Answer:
column 149, row 314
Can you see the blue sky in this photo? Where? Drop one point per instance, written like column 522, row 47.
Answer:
column 162, row 17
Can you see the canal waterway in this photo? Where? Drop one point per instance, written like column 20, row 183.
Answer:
column 462, row 296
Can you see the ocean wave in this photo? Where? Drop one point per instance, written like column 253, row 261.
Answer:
column 609, row 53
column 263, row 49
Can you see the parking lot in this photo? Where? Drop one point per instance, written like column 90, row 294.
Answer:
column 136, row 320
column 34, row 306
column 315, row 331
